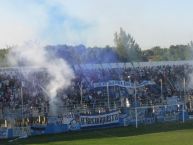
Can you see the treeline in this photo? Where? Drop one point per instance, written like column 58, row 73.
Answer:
column 173, row 53
column 81, row 54
column 125, row 50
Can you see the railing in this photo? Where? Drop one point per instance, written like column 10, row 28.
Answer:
column 129, row 65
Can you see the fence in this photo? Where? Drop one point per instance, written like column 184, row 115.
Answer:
column 154, row 114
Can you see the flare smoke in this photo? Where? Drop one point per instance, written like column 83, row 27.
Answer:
column 32, row 54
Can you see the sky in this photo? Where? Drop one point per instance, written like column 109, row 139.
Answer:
column 94, row 22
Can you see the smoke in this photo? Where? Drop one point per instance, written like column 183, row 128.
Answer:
column 32, row 54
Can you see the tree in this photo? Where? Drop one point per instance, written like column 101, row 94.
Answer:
column 180, row 52
column 173, row 53
column 126, row 47
column 4, row 54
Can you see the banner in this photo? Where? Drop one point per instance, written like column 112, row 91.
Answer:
column 99, row 119
column 74, row 125
column 3, row 133
column 19, row 131
column 54, row 119
column 123, row 84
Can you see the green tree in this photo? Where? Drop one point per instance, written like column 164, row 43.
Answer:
column 3, row 57
column 126, row 47
column 180, row 52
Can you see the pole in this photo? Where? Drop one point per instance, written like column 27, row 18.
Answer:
column 5, row 123
column 108, row 95
column 184, row 89
column 136, row 122
column 161, row 89
column 183, row 113
column 184, row 98
column 22, row 107
column 81, row 93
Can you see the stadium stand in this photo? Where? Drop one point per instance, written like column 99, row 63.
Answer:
column 97, row 96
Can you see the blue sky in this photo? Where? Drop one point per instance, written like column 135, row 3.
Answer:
column 94, row 22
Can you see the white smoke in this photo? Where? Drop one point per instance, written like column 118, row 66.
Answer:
column 34, row 55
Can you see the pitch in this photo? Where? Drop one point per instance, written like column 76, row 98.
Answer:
column 159, row 134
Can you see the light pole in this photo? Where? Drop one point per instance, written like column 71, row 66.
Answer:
column 184, row 99
column 108, row 101
column 22, row 131
column 183, row 115
column 136, row 122
column 184, row 82
column 81, row 93
column 161, row 88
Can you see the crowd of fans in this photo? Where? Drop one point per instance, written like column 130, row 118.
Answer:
column 24, row 90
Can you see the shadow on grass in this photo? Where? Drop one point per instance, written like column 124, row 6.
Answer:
column 102, row 133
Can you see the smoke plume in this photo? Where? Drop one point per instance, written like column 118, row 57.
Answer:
column 34, row 55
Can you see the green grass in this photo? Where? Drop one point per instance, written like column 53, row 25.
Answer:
column 158, row 134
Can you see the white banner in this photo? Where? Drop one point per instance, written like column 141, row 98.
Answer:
column 122, row 84
column 100, row 119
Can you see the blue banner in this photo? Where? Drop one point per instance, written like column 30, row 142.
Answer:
column 123, row 84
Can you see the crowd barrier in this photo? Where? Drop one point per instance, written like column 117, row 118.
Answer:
column 124, row 117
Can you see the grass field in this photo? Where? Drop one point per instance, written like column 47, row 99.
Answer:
column 159, row 134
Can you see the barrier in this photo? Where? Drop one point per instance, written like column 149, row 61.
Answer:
column 56, row 128
column 124, row 117
column 38, row 129
column 154, row 114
